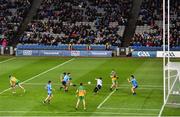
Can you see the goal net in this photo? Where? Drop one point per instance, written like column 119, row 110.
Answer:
column 172, row 87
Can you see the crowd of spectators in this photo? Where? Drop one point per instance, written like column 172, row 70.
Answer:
column 175, row 23
column 89, row 11
column 151, row 10
column 48, row 25
column 151, row 39
column 112, row 11
column 60, row 10
column 71, row 34
column 12, row 13
column 85, row 22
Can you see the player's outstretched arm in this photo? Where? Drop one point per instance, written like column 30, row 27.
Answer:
column 128, row 80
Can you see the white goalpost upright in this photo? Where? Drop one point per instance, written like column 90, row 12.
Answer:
column 171, row 72
column 164, row 60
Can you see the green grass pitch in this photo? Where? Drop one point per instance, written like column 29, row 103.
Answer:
column 34, row 72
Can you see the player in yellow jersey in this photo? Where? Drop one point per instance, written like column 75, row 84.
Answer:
column 15, row 82
column 81, row 92
column 114, row 79
column 113, row 72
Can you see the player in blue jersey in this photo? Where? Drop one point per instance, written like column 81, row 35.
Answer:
column 134, row 84
column 49, row 91
column 62, row 80
column 65, row 82
column 70, row 83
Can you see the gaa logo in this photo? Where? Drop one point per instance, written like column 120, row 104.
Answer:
column 143, row 54
column 171, row 54
column 75, row 53
column 27, row 52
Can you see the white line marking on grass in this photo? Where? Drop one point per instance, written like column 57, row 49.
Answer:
column 162, row 108
column 67, row 113
column 7, row 60
column 120, row 87
column 40, row 74
column 145, row 85
column 174, row 94
column 143, row 109
column 99, row 106
column 176, row 104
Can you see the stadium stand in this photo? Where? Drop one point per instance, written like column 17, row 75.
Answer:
column 151, row 11
column 78, row 22
column 86, row 23
column 12, row 14
column 147, row 32
column 175, row 23
column 149, row 25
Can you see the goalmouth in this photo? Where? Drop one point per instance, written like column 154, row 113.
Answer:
column 172, row 84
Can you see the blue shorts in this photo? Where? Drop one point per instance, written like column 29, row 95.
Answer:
column 49, row 93
column 64, row 83
column 135, row 86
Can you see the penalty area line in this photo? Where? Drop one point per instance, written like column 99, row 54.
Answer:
column 99, row 106
column 41, row 74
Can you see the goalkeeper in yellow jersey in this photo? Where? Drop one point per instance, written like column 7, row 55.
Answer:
column 15, row 82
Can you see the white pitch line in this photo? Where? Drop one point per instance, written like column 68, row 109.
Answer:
column 99, row 106
column 7, row 60
column 122, row 86
column 176, row 104
column 163, row 106
column 56, row 112
column 143, row 109
column 40, row 74
column 174, row 94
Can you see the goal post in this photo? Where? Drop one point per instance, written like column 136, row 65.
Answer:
column 172, row 87
column 171, row 68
